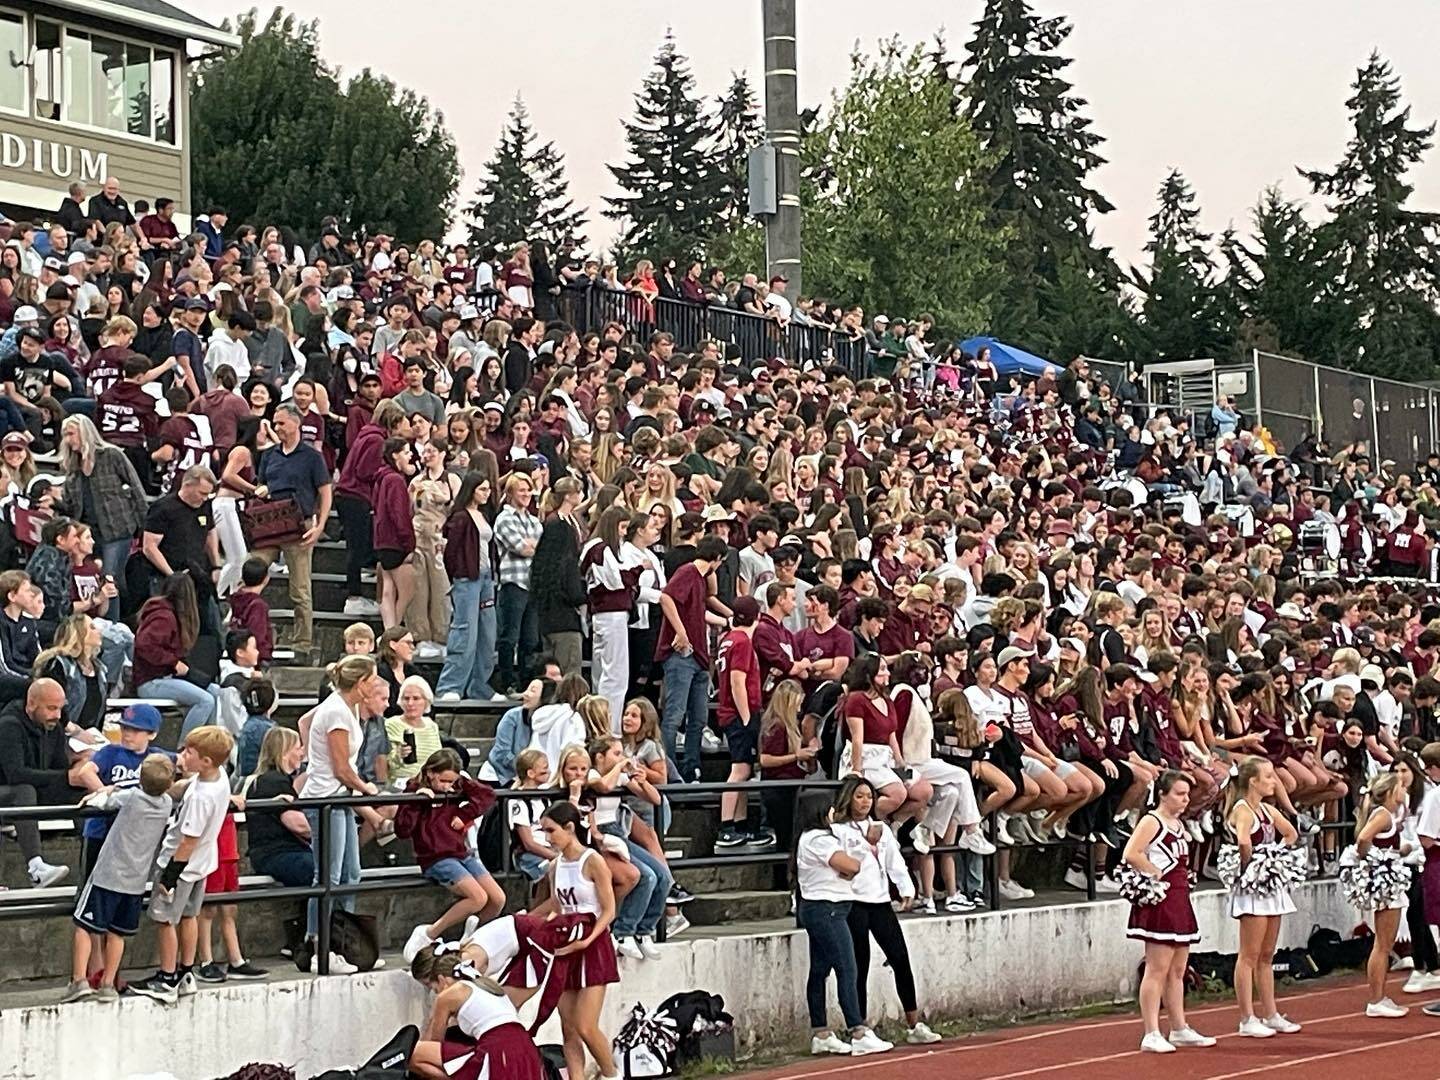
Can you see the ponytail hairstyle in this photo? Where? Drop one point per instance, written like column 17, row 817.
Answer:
column 447, row 960
column 566, row 815
column 350, row 671
column 1244, row 775
column 595, row 711
column 1167, row 781
column 1375, row 795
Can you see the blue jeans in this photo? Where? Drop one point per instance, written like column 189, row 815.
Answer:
column 113, row 554
column 971, row 870
column 470, row 648
column 831, row 949
column 293, row 869
column 516, row 635
column 117, row 650
column 201, row 703
column 687, row 698
column 344, row 868
column 640, row 911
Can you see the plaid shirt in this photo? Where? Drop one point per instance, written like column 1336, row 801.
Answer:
column 512, row 528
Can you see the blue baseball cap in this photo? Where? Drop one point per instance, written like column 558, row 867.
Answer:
column 141, row 717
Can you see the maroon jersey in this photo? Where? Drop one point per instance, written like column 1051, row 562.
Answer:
column 191, row 439
column 126, row 416
column 104, row 369
column 87, row 579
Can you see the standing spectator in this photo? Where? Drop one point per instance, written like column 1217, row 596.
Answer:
column 517, row 533
column 354, row 492
column 179, row 538
column 557, row 591
column 610, row 593
column 469, row 561
column 294, row 470
column 169, row 625
column 739, row 717
column 683, row 651
column 757, row 567
column 126, row 415
column 35, row 769
column 394, row 532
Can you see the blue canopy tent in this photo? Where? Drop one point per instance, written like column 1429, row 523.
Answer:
column 1008, row 359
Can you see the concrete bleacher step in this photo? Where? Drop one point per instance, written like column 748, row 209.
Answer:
column 720, row 908
column 327, row 591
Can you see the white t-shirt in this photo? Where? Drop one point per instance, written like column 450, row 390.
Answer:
column 202, row 813
column 332, row 715
column 989, row 707
column 816, row 877
column 1427, row 823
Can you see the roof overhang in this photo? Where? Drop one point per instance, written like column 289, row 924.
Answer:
column 130, row 16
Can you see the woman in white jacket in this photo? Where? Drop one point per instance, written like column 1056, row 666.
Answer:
column 610, row 587
column 555, row 726
column 874, row 846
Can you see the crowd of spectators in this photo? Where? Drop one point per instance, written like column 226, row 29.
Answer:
column 986, row 596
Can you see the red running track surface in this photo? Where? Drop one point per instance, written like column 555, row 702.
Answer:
column 1338, row 1043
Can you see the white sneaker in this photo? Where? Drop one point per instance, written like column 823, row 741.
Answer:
column 429, row 650
column 340, row 966
column 1075, row 877
column 418, row 940
column 830, row 1044
column 869, row 1043
column 710, row 742
column 187, row 986
column 43, row 875
column 277, row 567
column 1022, row 831
column 1252, row 1027
column 1155, row 1043
column 648, row 947
column 920, row 1035
column 676, row 924
column 1012, row 890
column 629, row 947
column 449, row 695
column 1385, row 1008
column 920, row 839
column 367, row 575
column 1421, row 981
column 1402, row 963
column 1196, row 833
column 361, row 605
column 1188, row 1036
column 974, row 841
column 1003, row 835
column 959, row 902
column 924, row 905
column 498, row 699
column 1107, row 885
column 1283, row 1024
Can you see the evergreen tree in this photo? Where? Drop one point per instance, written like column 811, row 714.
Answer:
column 739, row 129
column 1042, row 150
column 1181, row 314
column 1388, row 271
column 523, row 194
column 675, row 192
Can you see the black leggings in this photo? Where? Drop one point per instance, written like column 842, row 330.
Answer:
column 357, row 525
column 1422, row 942
column 1097, row 815
column 879, row 920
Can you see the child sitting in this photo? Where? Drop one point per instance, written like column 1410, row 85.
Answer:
column 532, row 853
column 189, row 854
column 437, row 832
column 248, row 609
column 111, row 901
column 257, row 700
column 240, row 664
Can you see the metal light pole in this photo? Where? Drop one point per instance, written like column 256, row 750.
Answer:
column 782, row 132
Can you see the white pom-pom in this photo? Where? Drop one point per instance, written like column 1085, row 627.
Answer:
column 1379, row 880
column 1139, row 888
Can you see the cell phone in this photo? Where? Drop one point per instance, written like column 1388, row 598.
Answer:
column 992, row 730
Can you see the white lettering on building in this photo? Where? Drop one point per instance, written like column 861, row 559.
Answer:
column 40, row 155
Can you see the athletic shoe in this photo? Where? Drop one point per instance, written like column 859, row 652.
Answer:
column 1197, row 834
column 1306, row 825
column 449, row 695
column 1386, row 1009
column 367, row 575
column 920, row 839
column 629, row 947
column 761, row 839
column 920, row 1035
column 974, row 841
column 416, row 943
column 676, row 924
column 77, row 991
column 1207, row 822
column 1252, row 1027
column 959, row 902
column 43, row 875
column 1107, row 885
column 1059, row 831
column 210, row 973
column 380, row 962
column 648, row 947
column 1021, row 829
column 157, row 988
column 869, row 1043
column 679, row 894
column 107, row 994
column 429, row 650
column 1013, row 890
column 1188, row 1036
column 830, row 1044
column 1075, row 877
column 1421, row 981
column 1112, row 837
column 498, row 698
column 1431, row 1008
column 188, row 987
column 245, row 970
column 731, row 837
column 1003, row 836
column 924, row 905
column 361, row 606
column 1401, row 963
column 978, row 898
column 1283, row 1024
column 710, row 742
column 1155, row 1043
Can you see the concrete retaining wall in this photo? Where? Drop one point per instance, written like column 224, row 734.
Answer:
column 1021, row 959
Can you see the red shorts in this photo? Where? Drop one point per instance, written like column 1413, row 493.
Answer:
column 226, row 878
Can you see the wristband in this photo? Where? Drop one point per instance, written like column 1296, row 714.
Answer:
column 170, row 876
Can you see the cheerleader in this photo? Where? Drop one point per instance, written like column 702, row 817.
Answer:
column 580, row 884
column 1376, row 844
column 495, row 1044
column 1159, row 848
column 1257, row 829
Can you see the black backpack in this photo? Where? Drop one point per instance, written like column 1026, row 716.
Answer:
column 388, row 1063
column 1329, row 951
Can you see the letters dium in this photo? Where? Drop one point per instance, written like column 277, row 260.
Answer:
column 59, row 159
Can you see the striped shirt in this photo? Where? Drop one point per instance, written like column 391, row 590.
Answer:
column 512, row 528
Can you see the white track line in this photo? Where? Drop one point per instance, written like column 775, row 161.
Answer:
column 1324, row 1057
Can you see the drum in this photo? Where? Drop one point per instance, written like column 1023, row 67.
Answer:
column 1318, row 540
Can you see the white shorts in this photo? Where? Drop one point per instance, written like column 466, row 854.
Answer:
column 1034, row 768
column 877, row 764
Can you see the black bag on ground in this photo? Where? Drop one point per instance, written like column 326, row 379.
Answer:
column 552, row 1059
column 388, row 1063
column 1213, row 967
column 706, row 1030
column 355, row 937
column 1329, row 951
column 1294, row 964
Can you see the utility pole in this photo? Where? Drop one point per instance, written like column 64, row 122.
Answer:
column 782, row 132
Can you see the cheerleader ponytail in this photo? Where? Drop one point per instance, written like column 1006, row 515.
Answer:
column 1375, row 796
column 1241, row 777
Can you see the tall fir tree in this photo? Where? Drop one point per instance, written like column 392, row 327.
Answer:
column 1042, row 151
column 739, row 128
column 1388, row 262
column 523, row 194
column 1181, row 313
column 674, row 190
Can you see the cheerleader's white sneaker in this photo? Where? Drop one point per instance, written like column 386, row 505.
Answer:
column 1422, row 981
column 1281, row 1024
column 1386, row 1009
column 1188, row 1036
column 1155, row 1043
column 1252, row 1027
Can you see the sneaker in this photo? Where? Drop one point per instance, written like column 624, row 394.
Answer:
column 761, row 839
column 1385, row 1008
column 1431, row 1008
column 1107, row 885
column 1059, row 831
column 1207, row 822
column 920, row 1035
column 361, row 606
column 920, row 839
column 978, row 898
column 1075, row 877
column 1012, row 890
column 210, row 973
column 676, row 925
column 1401, row 963
column 429, row 650
column 1021, row 830
column 959, row 902
column 43, row 875
column 449, row 696
column 1003, row 836
column 367, row 575
column 1196, row 833
column 157, row 988
column 1421, row 981
column 710, row 742
column 498, row 698
column 648, row 947
column 1252, row 1027
column 828, row 1044
column 679, row 894
column 1188, row 1036
column 340, row 966
column 628, row 947
column 188, row 987
column 974, row 841
column 378, row 965
column 1307, row 825
column 107, row 994
column 924, row 905
column 730, row 837
column 245, row 970
column 77, row 991
column 1283, row 1024
column 418, row 940
column 869, row 1043
column 1155, row 1043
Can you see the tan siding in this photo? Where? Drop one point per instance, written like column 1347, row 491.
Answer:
column 144, row 171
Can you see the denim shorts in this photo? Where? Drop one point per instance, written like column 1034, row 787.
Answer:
column 453, row 871
column 531, row 865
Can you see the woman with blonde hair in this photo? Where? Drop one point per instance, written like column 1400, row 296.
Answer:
column 102, row 490
column 608, row 456
column 73, row 660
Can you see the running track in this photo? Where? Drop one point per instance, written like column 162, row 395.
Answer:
column 1338, row 1043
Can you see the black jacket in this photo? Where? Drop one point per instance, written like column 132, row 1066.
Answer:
column 519, row 367
column 31, row 754
column 19, row 645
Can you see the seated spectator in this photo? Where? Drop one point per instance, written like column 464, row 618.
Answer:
column 532, row 855
column 558, row 725
column 24, row 603
column 397, row 650
column 93, row 593
column 413, row 735
column 238, row 667
column 513, row 734
column 249, row 611
column 258, row 700
column 169, row 625
column 74, row 662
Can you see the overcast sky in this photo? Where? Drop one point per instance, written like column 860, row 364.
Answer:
column 1232, row 92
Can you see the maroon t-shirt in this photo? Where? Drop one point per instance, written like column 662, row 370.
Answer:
column 737, row 653
column 689, row 591
column 877, row 718
column 831, row 645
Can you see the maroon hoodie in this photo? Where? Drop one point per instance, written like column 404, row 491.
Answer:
column 249, row 611
column 362, row 463
column 431, row 829
column 394, row 517
column 157, row 641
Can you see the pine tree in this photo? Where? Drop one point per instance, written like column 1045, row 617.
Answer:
column 739, row 129
column 523, row 194
column 1042, row 150
column 1388, row 272
column 1182, row 314
column 674, row 190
